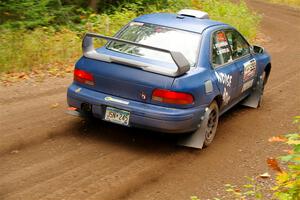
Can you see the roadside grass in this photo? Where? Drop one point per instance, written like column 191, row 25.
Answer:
column 50, row 49
column 293, row 3
column 236, row 14
column 27, row 50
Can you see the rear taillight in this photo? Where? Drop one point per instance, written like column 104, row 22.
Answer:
column 171, row 97
column 83, row 77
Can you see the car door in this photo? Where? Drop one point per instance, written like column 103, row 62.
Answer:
column 225, row 69
column 243, row 59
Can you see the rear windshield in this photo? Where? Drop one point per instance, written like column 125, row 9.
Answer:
column 158, row 36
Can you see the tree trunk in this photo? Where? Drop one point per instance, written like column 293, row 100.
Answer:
column 93, row 4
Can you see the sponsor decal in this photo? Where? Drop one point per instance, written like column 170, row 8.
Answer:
column 247, row 85
column 116, row 100
column 224, row 79
column 222, row 51
column 143, row 96
column 78, row 90
column 226, row 96
column 249, row 69
column 221, row 44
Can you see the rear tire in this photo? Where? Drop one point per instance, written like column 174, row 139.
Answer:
column 212, row 124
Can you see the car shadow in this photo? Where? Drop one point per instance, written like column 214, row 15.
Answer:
column 140, row 139
column 128, row 137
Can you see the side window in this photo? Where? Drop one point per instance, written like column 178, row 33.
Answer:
column 220, row 49
column 238, row 45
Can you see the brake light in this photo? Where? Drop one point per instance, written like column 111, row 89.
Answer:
column 83, row 77
column 168, row 96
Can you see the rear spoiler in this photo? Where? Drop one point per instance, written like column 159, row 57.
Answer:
column 89, row 51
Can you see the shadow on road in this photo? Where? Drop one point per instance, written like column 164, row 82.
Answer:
column 136, row 138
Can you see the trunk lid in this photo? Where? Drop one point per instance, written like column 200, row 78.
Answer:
column 123, row 81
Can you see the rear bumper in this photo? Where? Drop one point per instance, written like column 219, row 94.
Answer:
column 142, row 115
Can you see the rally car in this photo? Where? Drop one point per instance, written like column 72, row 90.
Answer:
column 174, row 73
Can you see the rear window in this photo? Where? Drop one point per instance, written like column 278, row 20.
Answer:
column 158, row 36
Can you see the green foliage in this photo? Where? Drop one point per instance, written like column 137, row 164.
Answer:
column 26, row 50
column 235, row 14
column 29, row 14
column 288, row 182
column 287, row 185
column 293, row 3
column 194, row 198
column 251, row 190
column 36, row 33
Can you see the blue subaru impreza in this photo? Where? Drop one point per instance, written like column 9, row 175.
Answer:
column 174, row 73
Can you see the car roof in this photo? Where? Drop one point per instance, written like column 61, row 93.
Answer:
column 182, row 22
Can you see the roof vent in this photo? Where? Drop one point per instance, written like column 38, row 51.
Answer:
column 193, row 13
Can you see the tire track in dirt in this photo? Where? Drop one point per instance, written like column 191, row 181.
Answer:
column 68, row 173
column 30, row 123
column 45, row 175
column 7, row 101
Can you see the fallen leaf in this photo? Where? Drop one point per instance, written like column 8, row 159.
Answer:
column 265, row 175
column 237, row 190
column 21, row 75
column 54, row 105
column 277, row 139
column 14, row 152
column 273, row 164
column 289, row 151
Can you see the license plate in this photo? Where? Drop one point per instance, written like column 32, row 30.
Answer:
column 117, row 116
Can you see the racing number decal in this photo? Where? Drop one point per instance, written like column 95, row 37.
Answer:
column 221, row 37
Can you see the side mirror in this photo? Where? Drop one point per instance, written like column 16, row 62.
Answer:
column 257, row 49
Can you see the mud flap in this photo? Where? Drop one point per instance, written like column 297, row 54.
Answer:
column 255, row 97
column 196, row 139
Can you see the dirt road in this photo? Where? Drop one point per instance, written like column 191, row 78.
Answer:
column 46, row 154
